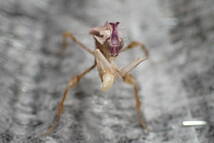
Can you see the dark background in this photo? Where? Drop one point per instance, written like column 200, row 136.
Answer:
column 177, row 82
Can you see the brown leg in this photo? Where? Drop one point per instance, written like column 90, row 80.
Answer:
column 135, row 44
column 128, row 78
column 136, row 62
column 68, row 35
column 60, row 107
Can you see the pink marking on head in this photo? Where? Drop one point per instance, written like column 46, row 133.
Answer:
column 114, row 43
column 114, row 34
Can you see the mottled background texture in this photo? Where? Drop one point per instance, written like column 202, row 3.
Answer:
column 177, row 82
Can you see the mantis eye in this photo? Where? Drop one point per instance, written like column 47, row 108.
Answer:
column 101, row 34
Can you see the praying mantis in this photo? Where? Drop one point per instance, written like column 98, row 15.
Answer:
column 109, row 45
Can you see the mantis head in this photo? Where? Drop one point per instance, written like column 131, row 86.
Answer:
column 108, row 37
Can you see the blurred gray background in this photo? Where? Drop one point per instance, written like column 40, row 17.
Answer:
column 177, row 82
